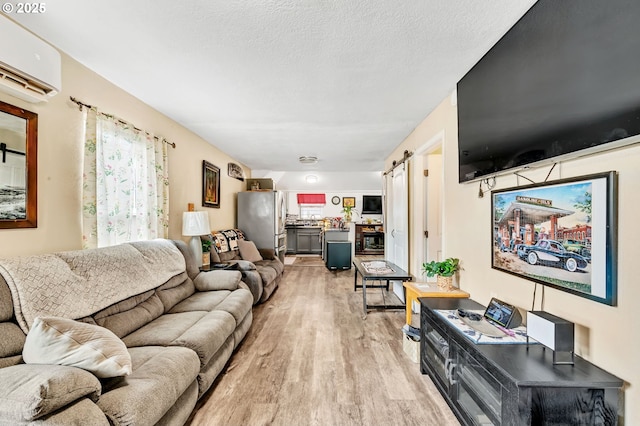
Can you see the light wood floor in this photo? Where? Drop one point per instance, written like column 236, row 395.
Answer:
column 311, row 359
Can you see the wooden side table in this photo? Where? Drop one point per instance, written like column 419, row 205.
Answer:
column 413, row 290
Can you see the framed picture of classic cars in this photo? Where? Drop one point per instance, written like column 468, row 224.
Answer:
column 562, row 234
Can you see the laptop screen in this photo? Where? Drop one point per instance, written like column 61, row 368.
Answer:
column 499, row 312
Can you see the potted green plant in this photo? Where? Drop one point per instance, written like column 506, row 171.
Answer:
column 348, row 212
column 444, row 271
column 206, row 249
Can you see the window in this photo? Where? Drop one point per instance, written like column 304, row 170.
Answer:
column 125, row 183
column 311, row 211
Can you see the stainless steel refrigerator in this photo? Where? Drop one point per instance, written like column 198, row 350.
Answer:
column 261, row 216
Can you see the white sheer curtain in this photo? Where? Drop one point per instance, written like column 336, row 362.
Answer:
column 125, row 191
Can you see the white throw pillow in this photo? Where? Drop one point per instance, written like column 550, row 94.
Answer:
column 248, row 251
column 62, row 341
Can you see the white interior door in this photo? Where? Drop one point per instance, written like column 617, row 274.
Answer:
column 397, row 206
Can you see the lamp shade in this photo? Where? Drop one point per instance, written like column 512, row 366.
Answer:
column 195, row 223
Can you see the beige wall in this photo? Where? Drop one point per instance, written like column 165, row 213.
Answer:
column 607, row 336
column 59, row 163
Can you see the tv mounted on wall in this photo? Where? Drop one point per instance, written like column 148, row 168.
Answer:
column 563, row 81
column 371, row 204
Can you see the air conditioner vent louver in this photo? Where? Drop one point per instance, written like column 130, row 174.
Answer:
column 30, row 69
column 26, row 85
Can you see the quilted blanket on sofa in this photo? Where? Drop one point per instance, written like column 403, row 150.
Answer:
column 75, row 284
column 227, row 240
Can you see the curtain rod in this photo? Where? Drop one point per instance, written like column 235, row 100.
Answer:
column 121, row 121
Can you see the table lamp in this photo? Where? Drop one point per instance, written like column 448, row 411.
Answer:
column 195, row 224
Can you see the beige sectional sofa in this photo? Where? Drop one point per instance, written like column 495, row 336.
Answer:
column 262, row 276
column 180, row 327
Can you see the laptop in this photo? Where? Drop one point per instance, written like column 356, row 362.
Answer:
column 496, row 317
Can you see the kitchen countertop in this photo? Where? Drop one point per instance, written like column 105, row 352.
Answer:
column 322, row 228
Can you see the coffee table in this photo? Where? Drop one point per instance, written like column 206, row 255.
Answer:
column 377, row 270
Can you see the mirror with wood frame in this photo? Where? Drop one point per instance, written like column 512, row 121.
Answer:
column 18, row 167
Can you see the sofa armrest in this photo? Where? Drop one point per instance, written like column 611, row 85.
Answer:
column 267, row 254
column 217, row 280
column 30, row 391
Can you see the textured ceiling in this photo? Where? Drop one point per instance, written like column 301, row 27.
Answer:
column 267, row 81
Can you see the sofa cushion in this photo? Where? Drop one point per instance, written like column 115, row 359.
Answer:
column 11, row 360
column 237, row 303
column 203, row 332
column 29, row 392
column 160, row 376
column 180, row 412
column 273, row 263
column 229, row 256
column 192, row 264
column 267, row 253
column 267, row 273
column 6, row 304
column 175, row 290
column 130, row 314
column 12, row 339
column 62, row 341
column 81, row 412
column 205, row 301
column 249, row 251
column 217, row 280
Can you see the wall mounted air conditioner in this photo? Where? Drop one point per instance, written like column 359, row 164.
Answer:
column 30, row 69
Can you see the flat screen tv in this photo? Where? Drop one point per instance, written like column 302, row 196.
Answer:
column 563, row 81
column 371, row 204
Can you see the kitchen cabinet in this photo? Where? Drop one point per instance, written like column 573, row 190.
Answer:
column 304, row 239
column 308, row 240
column 292, row 240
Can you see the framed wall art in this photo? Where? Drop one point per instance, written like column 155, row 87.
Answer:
column 348, row 201
column 235, row 171
column 18, row 167
column 562, row 234
column 210, row 185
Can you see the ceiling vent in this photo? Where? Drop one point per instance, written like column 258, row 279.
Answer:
column 30, row 69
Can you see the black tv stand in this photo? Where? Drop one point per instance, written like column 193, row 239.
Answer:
column 511, row 384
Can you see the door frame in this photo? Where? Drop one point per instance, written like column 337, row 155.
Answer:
column 418, row 203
